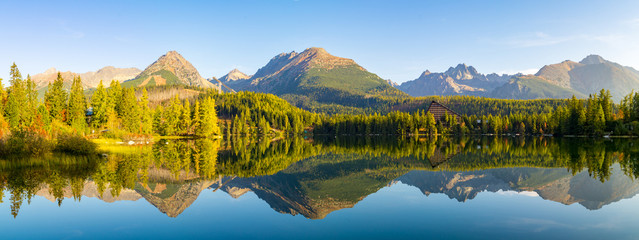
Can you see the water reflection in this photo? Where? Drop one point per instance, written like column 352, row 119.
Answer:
column 314, row 177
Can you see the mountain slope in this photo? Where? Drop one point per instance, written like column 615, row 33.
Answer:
column 591, row 75
column 460, row 80
column 170, row 69
column 533, row 87
column 319, row 76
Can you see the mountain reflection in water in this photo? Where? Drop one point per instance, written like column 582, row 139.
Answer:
column 314, row 177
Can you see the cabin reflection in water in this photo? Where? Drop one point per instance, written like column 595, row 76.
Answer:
column 316, row 177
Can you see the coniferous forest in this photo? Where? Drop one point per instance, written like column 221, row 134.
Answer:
column 64, row 119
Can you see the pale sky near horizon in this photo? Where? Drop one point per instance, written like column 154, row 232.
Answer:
column 397, row 40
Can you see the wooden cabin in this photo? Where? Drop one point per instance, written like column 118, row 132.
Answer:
column 439, row 111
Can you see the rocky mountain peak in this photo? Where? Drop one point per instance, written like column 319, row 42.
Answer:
column 50, row 71
column 315, row 50
column 174, row 63
column 462, row 72
column 593, row 59
column 234, row 75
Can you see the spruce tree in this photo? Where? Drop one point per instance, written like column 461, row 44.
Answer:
column 130, row 115
column 115, row 97
column 208, row 117
column 158, row 121
column 76, row 108
column 31, row 109
column 599, row 121
column 99, row 102
column 196, row 121
column 16, row 101
column 146, row 123
column 55, row 99
column 3, row 97
column 431, row 123
column 185, row 119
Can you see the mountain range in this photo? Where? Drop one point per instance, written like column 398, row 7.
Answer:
column 315, row 77
column 89, row 79
column 561, row 80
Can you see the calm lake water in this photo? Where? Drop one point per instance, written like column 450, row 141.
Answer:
column 329, row 188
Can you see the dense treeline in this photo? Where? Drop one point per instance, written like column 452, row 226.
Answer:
column 30, row 126
column 64, row 119
column 482, row 106
column 465, row 105
column 249, row 113
column 594, row 116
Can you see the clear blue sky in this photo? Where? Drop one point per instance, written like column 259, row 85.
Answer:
column 395, row 39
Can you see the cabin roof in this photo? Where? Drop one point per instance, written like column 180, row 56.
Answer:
column 441, row 105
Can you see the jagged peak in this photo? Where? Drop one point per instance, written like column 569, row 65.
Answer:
column 462, row 71
column 425, row 73
column 172, row 53
column 51, row 71
column 233, row 75
column 315, row 50
column 593, row 59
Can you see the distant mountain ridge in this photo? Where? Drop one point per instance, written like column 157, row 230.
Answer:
column 460, row 80
column 591, row 75
column 89, row 79
column 561, row 80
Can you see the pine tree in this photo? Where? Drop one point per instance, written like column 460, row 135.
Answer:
column 146, row 123
column 31, row 108
column 55, row 99
column 115, row 97
column 172, row 117
column 158, row 121
column 599, row 122
column 4, row 125
column 605, row 100
column 196, row 121
column 3, row 98
column 130, row 111
column 431, row 123
column 208, row 117
column 99, row 102
column 185, row 119
column 76, row 108
column 16, row 101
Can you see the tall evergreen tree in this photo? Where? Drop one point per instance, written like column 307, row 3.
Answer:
column 76, row 108
column 196, row 121
column 185, row 119
column 600, row 121
column 130, row 111
column 115, row 97
column 208, row 117
column 55, row 99
column 100, row 104
column 147, row 115
column 16, row 101
column 431, row 123
column 3, row 97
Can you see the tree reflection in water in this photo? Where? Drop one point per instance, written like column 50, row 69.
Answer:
column 316, row 176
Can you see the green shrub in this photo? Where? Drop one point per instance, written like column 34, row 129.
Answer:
column 76, row 144
column 24, row 143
